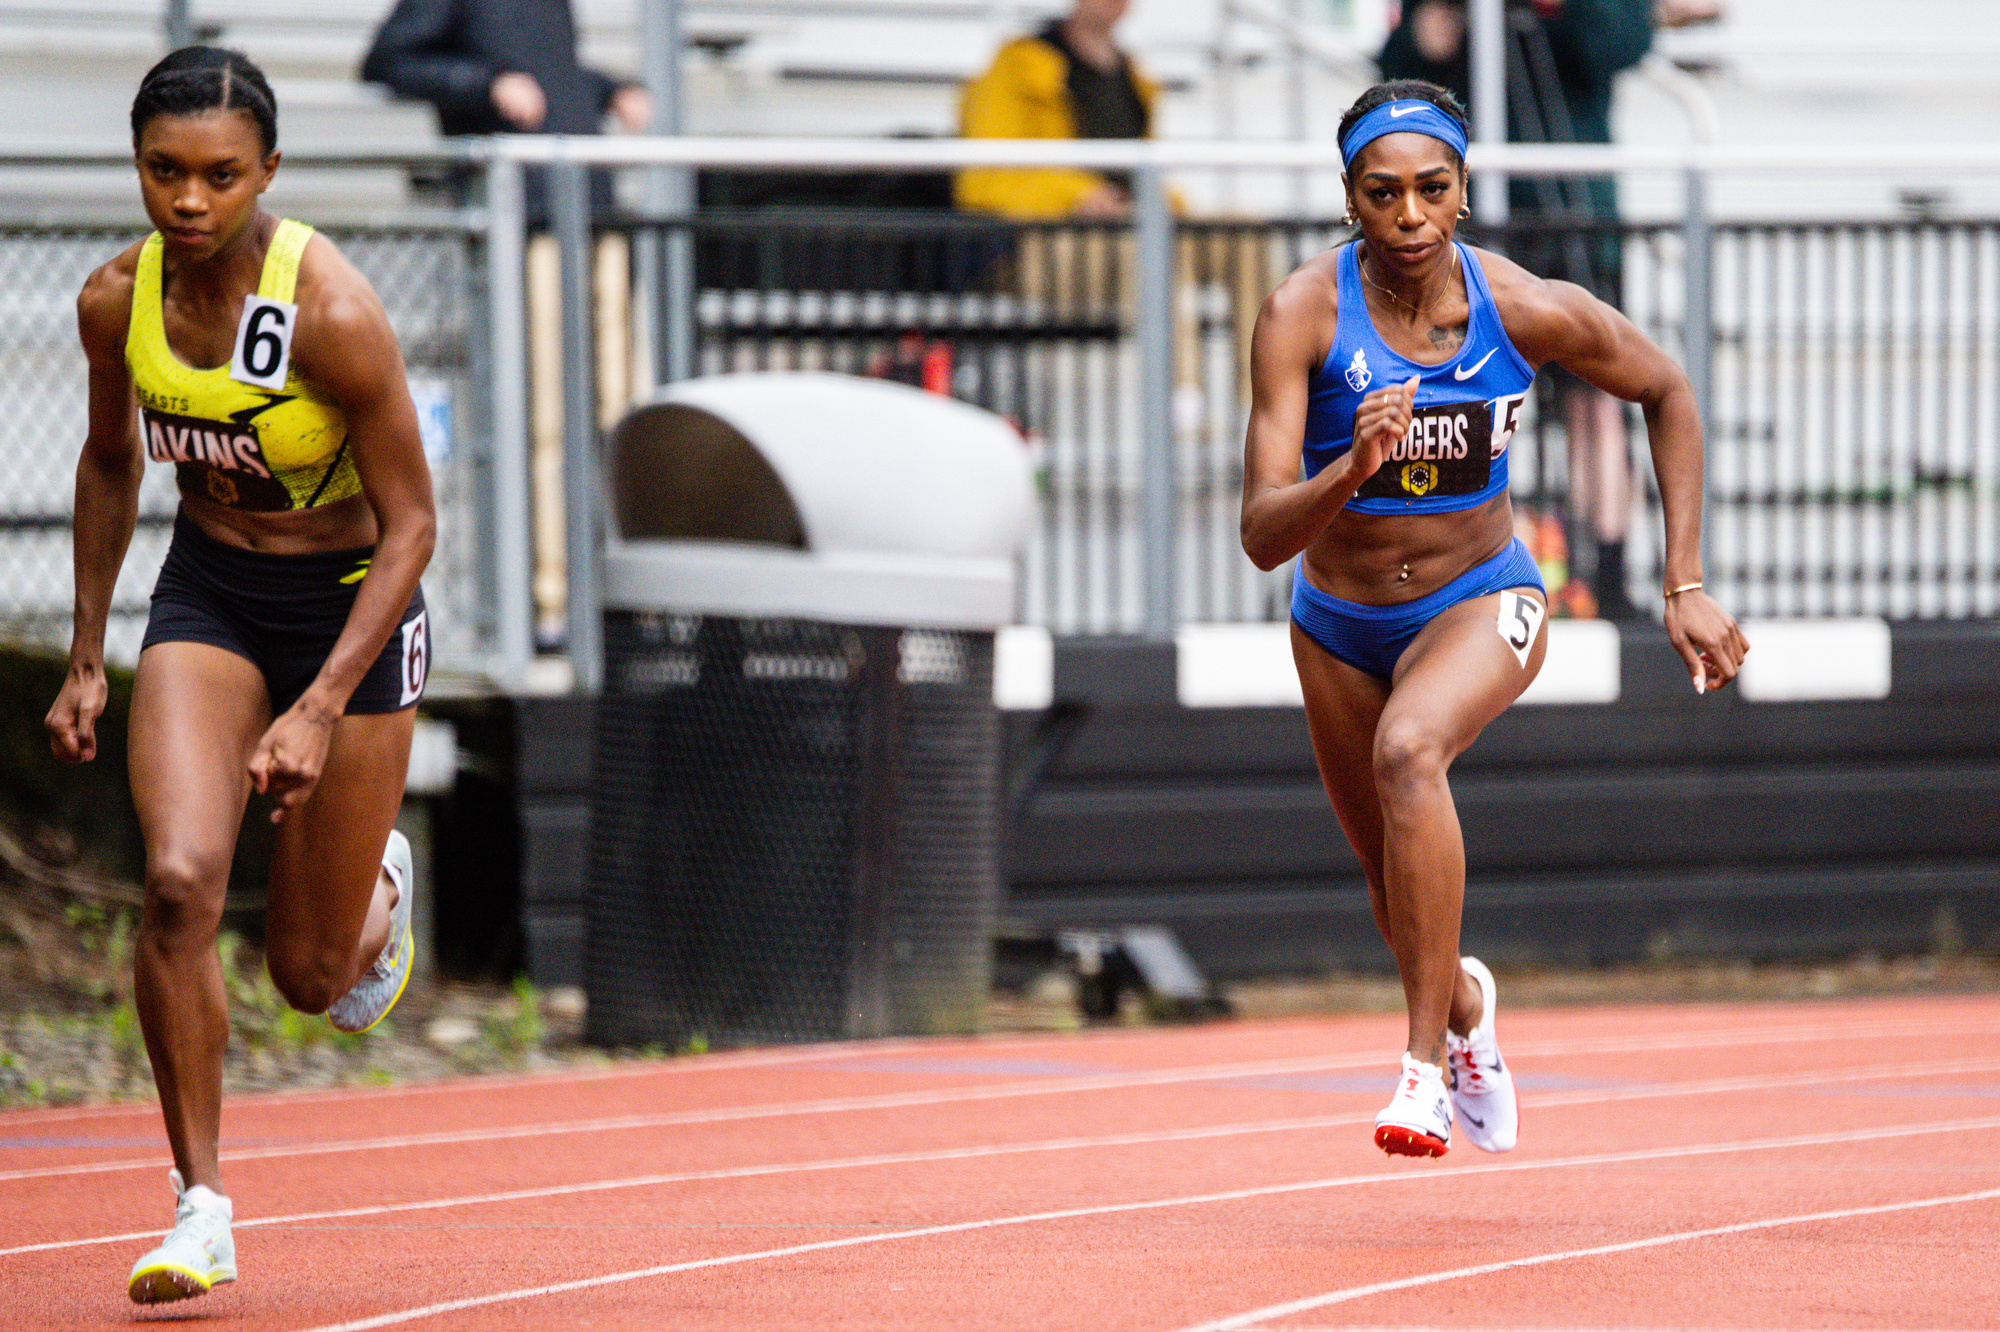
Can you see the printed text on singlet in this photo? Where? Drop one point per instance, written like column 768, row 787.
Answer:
column 1448, row 450
column 220, row 459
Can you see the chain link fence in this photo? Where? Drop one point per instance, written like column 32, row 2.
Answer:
column 427, row 281
column 1854, row 448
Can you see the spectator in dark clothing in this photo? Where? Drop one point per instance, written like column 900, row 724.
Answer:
column 495, row 66
column 490, row 66
column 1589, row 43
column 1561, row 63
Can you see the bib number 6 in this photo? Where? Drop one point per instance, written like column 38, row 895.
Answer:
column 263, row 356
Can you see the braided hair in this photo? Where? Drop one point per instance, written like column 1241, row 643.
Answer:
column 195, row 79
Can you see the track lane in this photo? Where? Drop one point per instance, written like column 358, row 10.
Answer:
column 491, row 1117
column 1849, row 1080
column 1046, row 1284
column 1975, row 1286
column 420, row 1175
column 700, row 1218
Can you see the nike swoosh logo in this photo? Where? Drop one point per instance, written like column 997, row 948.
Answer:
column 1476, row 1123
column 1463, row 373
column 1394, row 114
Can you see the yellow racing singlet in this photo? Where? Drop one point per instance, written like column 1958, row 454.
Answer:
column 250, row 434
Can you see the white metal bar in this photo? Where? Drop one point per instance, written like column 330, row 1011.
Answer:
column 569, row 201
column 507, row 326
column 1536, row 159
column 1487, row 20
column 1155, row 315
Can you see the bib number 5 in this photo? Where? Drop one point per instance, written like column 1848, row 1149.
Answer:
column 263, row 356
column 1520, row 619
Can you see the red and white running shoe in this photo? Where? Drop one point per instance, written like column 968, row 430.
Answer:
column 1482, row 1089
column 1417, row 1121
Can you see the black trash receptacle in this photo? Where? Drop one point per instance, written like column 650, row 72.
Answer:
column 795, row 812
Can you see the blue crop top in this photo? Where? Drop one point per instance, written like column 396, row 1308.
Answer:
column 1455, row 454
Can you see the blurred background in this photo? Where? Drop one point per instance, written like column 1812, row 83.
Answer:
column 1799, row 199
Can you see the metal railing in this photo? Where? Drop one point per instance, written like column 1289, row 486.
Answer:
column 1848, row 373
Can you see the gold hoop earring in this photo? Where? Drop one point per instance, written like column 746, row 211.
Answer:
column 1350, row 219
column 1464, row 211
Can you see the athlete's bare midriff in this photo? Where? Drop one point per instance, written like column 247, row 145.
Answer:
column 342, row 525
column 1361, row 556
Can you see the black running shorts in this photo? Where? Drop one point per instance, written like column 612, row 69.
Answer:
column 283, row 613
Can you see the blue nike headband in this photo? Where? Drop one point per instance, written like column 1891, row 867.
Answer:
column 1410, row 116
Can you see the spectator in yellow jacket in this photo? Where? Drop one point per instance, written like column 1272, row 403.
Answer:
column 1068, row 81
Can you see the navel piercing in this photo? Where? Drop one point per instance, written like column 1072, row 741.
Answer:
column 1404, row 576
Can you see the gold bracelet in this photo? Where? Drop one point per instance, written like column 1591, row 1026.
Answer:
column 1673, row 592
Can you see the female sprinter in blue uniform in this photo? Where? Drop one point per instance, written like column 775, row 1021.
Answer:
column 1394, row 369
column 288, row 645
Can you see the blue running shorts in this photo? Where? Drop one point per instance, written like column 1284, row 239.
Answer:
column 1372, row 638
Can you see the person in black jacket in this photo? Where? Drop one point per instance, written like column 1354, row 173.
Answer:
column 494, row 66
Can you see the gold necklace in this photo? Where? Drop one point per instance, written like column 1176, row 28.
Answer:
column 1416, row 312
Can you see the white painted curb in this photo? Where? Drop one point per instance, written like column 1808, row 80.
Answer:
column 1795, row 661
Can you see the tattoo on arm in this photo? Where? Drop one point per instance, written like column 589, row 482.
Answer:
column 1448, row 339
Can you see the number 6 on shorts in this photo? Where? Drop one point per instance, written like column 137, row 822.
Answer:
column 416, row 657
column 1520, row 619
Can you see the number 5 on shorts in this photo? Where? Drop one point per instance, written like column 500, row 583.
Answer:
column 1520, row 619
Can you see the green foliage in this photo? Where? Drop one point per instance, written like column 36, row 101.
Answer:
column 126, row 1038
column 517, row 1028
column 18, row 1086
column 259, row 1015
column 108, row 938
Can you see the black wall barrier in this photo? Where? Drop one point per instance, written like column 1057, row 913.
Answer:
column 1659, row 826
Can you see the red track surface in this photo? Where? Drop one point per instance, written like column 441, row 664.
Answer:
column 1826, row 1165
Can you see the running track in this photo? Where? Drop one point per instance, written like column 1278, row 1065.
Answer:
column 1817, row 1165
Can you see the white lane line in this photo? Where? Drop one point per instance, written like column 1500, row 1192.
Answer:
column 728, row 1114
column 730, row 1060
column 720, row 1062
column 1246, row 1321
column 1875, row 1074
column 1156, row 1204
column 994, row 1091
column 746, row 1172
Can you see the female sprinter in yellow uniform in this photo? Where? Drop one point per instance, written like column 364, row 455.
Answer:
column 288, row 645
column 1390, row 372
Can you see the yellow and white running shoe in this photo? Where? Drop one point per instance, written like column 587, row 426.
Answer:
column 382, row 984
column 197, row 1254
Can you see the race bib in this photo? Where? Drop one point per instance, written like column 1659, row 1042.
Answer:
column 416, row 657
column 1520, row 619
column 263, row 355
column 1448, row 450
